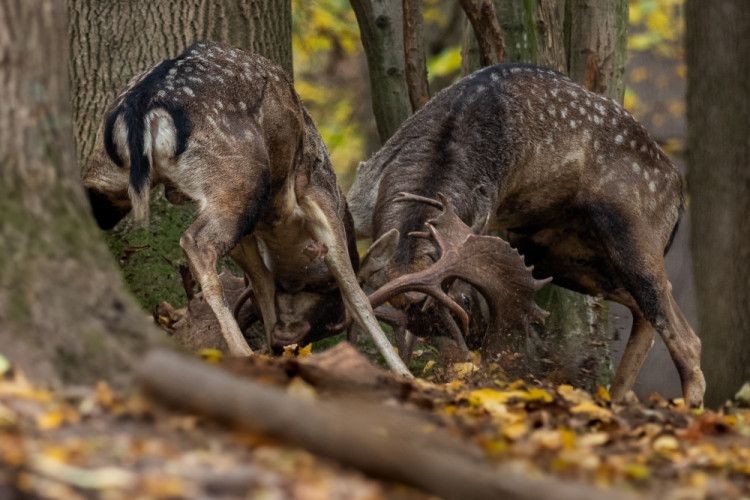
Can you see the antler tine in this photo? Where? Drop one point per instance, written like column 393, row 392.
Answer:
column 426, row 281
column 404, row 196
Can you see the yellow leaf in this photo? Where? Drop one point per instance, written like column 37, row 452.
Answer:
column 289, row 350
column 573, row 395
column 463, row 370
column 568, row 439
column 666, row 444
column 428, row 366
column 603, row 393
column 593, row 439
column 305, row 351
column 50, row 420
column 637, row 471
column 593, row 411
column 300, row 389
column 515, row 431
column 535, row 394
column 211, row 355
column 549, row 439
column 475, row 357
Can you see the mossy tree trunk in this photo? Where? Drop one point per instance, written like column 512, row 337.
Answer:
column 588, row 41
column 112, row 41
column 64, row 316
column 718, row 179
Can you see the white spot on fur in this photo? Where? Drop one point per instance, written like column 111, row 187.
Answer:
column 572, row 124
column 564, row 113
column 644, row 148
column 632, row 144
column 195, row 79
column 161, row 93
column 219, row 104
column 636, row 168
column 552, row 111
column 243, row 106
column 645, row 174
column 619, row 139
column 652, row 186
column 596, row 145
column 188, row 91
column 614, row 120
column 172, row 71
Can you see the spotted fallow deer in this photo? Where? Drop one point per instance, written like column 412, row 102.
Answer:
column 585, row 194
column 225, row 129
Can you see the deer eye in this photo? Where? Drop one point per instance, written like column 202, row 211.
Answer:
column 467, row 303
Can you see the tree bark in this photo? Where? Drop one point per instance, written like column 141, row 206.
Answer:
column 64, row 316
column 112, row 41
column 415, row 57
column 382, row 30
column 589, row 43
column 489, row 36
column 718, row 179
column 597, row 35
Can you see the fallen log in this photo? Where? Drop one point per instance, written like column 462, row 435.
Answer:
column 369, row 438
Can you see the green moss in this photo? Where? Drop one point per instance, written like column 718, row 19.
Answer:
column 149, row 258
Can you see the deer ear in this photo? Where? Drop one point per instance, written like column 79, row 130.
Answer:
column 379, row 254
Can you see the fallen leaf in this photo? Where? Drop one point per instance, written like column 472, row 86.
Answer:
column 211, row 355
column 593, row 411
column 428, row 366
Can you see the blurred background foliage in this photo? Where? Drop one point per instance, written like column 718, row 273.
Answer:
column 331, row 70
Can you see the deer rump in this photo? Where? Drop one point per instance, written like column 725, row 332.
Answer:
column 225, row 129
column 585, row 194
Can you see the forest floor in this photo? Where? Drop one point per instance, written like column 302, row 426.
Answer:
column 93, row 442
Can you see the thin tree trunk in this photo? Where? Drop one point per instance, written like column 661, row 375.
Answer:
column 415, row 55
column 63, row 313
column 489, row 36
column 382, row 31
column 718, row 180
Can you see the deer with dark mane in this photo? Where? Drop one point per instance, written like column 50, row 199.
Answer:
column 583, row 191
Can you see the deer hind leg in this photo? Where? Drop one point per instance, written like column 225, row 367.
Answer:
column 640, row 266
column 327, row 227
column 204, row 246
column 639, row 343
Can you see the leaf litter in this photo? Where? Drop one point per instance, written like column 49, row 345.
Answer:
column 99, row 443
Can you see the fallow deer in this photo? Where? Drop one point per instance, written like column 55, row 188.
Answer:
column 225, row 129
column 584, row 192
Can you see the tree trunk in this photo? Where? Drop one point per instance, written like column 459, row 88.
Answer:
column 63, row 313
column 589, row 43
column 415, row 57
column 112, row 41
column 382, row 31
column 718, row 180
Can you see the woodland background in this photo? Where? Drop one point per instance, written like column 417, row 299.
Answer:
column 67, row 323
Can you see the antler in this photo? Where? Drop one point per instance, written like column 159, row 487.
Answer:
column 488, row 263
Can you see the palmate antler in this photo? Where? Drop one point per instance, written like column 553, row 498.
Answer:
column 488, row 263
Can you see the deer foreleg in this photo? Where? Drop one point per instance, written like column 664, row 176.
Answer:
column 328, row 229
column 247, row 255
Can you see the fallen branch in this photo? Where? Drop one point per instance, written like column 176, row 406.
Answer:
column 382, row 443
